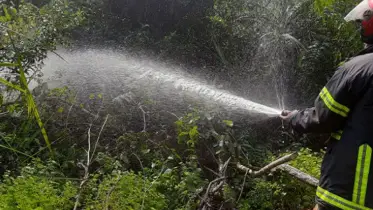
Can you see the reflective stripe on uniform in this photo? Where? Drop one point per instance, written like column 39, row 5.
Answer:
column 338, row 201
column 362, row 174
column 337, row 135
column 333, row 105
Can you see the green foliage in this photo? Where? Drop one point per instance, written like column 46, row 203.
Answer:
column 130, row 146
column 308, row 162
column 27, row 34
column 181, row 186
column 187, row 129
column 31, row 32
column 321, row 5
column 35, row 192
column 127, row 190
column 263, row 196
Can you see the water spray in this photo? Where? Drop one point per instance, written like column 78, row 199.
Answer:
column 198, row 89
column 110, row 70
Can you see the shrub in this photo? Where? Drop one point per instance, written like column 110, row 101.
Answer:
column 36, row 193
column 127, row 190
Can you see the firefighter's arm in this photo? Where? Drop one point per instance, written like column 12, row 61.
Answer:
column 331, row 107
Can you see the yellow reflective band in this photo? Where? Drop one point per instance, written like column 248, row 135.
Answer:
column 337, row 135
column 338, row 201
column 362, row 174
column 335, row 103
column 332, row 104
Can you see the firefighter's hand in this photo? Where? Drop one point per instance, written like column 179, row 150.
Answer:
column 288, row 115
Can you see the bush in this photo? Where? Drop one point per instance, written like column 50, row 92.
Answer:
column 127, row 190
column 36, row 193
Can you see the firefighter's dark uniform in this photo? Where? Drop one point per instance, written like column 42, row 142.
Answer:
column 344, row 108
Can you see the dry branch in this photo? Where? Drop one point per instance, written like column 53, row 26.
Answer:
column 280, row 164
column 299, row 175
column 89, row 161
column 144, row 117
column 204, row 199
column 268, row 167
column 99, row 135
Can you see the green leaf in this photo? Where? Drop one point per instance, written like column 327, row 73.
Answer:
column 229, row 123
column 31, row 106
column 13, row 11
column 7, row 15
column 193, row 133
column 11, row 85
column 16, row 151
column 60, row 110
column 3, row 19
column 12, row 108
column 8, row 64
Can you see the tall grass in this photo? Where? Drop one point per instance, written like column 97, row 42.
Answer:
column 28, row 98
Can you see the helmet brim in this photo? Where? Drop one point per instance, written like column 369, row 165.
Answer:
column 358, row 12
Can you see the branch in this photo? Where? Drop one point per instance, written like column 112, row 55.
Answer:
column 242, row 187
column 4, row 114
column 89, row 161
column 220, row 52
column 144, row 117
column 268, row 167
column 99, row 135
column 86, row 170
column 279, row 164
column 89, row 147
column 204, row 198
column 300, row 175
column 71, row 107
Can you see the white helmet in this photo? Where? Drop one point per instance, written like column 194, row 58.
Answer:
column 358, row 12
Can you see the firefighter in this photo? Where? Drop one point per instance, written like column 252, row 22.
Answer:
column 344, row 108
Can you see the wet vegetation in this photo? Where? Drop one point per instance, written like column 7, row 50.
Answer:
column 64, row 150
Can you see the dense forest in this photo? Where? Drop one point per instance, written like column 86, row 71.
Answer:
column 66, row 148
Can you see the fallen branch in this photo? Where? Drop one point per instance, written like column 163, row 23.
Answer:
column 300, row 175
column 242, row 187
column 208, row 191
column 280, row 164
column 268, row 167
